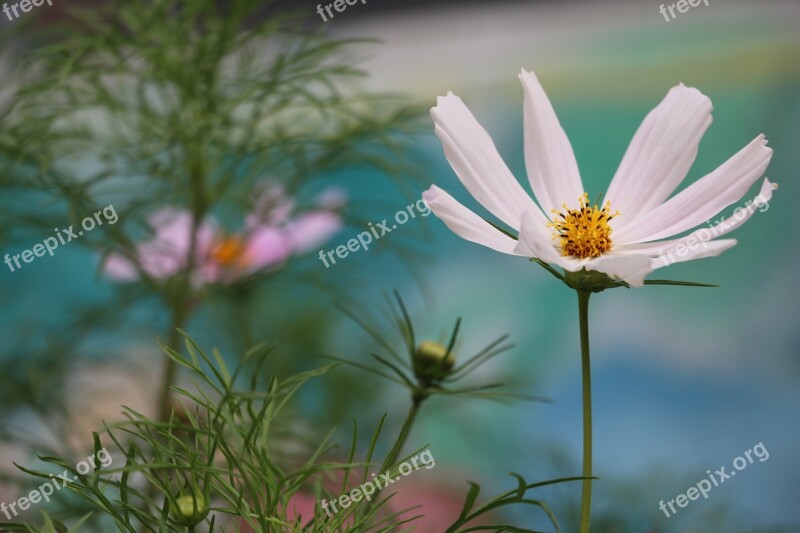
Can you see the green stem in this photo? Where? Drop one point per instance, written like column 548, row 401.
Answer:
column 181, row 307
column 416, row 402
column 179, row 315
column 417, row 398
column 586, row 372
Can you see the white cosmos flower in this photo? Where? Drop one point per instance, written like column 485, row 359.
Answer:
column 622, row 237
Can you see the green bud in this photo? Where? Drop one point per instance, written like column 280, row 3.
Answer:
column 432, row 362
column 190, row 510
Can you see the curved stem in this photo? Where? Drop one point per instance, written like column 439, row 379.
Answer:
column 586, row 372
column 416, row 402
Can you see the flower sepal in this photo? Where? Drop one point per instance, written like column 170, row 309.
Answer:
column 591, row 281
column 594, row 281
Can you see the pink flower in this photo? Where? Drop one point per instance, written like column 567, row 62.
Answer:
column 166, row 253
column 439, row 504
column 273, row 234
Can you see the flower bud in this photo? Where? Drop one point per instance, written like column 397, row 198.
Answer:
column 432, row 362
column 190, row 510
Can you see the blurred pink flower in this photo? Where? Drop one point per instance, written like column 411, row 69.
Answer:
column 439, row 504
column 272, row 234
column 165, row 254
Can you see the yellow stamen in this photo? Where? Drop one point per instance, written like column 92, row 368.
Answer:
column 229, row 252
column 584, row 232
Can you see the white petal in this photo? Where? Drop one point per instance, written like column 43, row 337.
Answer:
column 707, row 249
column 704, row 198
column 465, row 223
column 536, row 241
column 705, row 234
column 630, row 268
column 726, row 226
column 549, row 159
column 660, row 154
column 474, row 158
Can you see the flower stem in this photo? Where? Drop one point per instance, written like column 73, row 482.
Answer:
column 181, row 309
column 170, row 367
column 417, row 398
column 416, row 402
column 586, row 372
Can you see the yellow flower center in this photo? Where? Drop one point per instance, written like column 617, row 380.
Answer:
column 584, row 232
column 229, row 252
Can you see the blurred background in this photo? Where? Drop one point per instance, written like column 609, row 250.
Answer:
column 685, row 379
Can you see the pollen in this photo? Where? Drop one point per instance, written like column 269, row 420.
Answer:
column 229, row 252
column 583, row 232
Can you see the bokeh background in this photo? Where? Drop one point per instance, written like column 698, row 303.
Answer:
column 685, row 379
